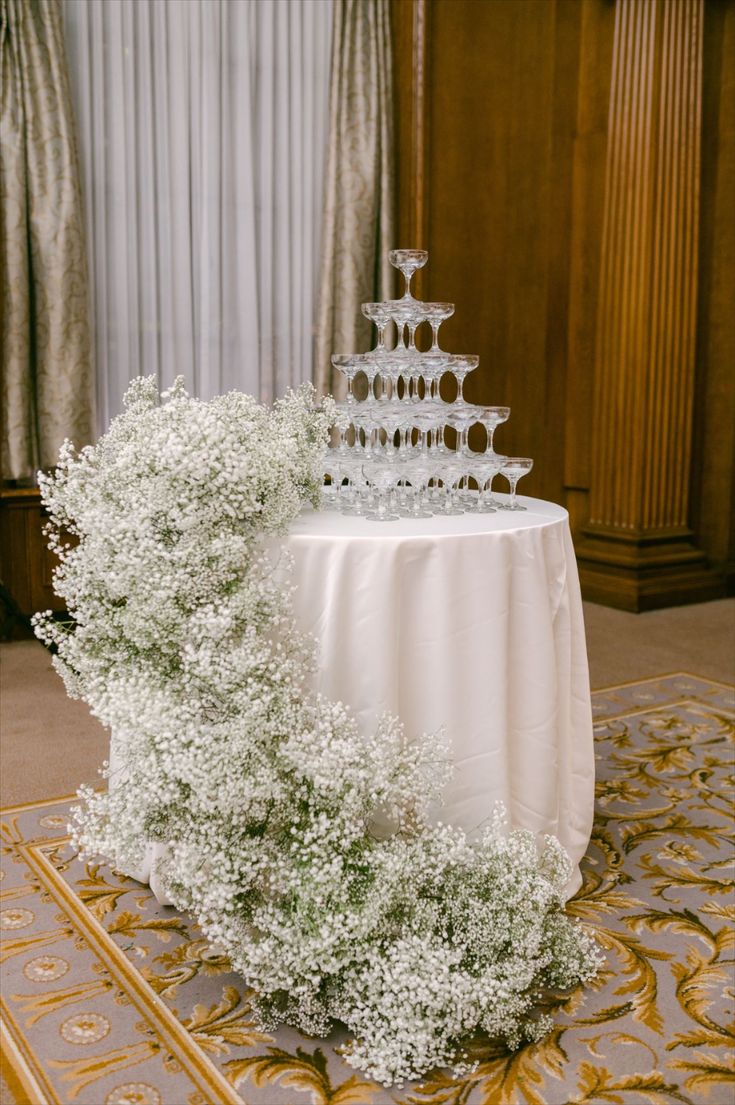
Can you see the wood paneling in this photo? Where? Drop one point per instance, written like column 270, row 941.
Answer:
column 588, row 197
column 638, row 546
column 500, row 175
column 713, row 463
column 26, row 565
column 491, row 208
column 410, row 29
column 505, row 178
column 646, row 320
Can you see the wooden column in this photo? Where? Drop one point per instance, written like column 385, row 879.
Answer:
column 637, row 551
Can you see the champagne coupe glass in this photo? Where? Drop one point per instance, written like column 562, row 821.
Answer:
column 392, row 372
column 433, row 495
column 418, row 473
column 364, row 417
column 348, row 410
column 513, row 470
column 408, row 313
column 413, row 322
column 380, row 314
column 491, row 418
column 393, row 415
column 408, row 261
column 414, row 378
column 431, row 369
column 464, row 460
column 398, row 318
column 489, row 499
column 450, row 474
column 351, row 495
column 349, row 365
column 370, row 369
column 475, row 468
column 439, row 445
column 435, row 314
column 332, row 469
column 486, row 469
column 382, row 475
column 460, row 366
column 460, row 417
column 424, row 419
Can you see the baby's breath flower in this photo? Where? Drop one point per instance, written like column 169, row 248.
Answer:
column 302, row 846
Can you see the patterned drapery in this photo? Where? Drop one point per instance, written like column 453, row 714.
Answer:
column 44, row 318
column 359, row 215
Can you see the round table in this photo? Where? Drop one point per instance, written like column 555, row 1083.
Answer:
column 473, row 623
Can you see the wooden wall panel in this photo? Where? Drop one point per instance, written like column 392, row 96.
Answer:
column 26, row 564
column 646, row 316
column 491, row 211
column 503, row 122
column 713, row 465
column 410, row 31
column 638, row 550
column 588, row 197
column 507, row 158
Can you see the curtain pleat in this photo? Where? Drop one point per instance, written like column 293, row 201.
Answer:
column 203, row 128
column 359, row 217
column 44, row 309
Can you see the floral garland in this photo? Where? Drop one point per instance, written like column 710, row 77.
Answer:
column 183, row 643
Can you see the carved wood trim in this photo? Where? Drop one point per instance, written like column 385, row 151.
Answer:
column 646, row 321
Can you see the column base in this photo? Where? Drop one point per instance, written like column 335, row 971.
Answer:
column 637, row 571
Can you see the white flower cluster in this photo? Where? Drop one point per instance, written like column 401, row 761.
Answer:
column 182, row 641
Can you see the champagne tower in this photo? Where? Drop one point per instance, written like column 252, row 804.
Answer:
column 391, row 459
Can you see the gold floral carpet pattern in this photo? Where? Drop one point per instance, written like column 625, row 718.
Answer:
column 110, row 999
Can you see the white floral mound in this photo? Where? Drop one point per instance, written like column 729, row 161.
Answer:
column 183, row 643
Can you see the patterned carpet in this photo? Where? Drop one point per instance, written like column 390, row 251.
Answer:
column 110, row 998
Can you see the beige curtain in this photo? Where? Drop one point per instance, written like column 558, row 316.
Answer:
column 359, row 222
column 44, row 317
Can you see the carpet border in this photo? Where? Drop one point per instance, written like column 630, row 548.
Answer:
column 19, row 1076
column 205, row 1076
column 24, row 807
column 658, row 678
column 651, row 707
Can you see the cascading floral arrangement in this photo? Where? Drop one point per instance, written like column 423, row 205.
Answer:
column 183, row 643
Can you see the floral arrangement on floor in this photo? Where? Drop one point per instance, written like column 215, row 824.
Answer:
column 183, row 643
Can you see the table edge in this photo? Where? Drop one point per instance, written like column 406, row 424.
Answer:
column 381, row 532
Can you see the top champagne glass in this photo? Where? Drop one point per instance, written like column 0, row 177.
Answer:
column 407, row 261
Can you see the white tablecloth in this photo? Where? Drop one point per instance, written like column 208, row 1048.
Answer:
column 473, row 623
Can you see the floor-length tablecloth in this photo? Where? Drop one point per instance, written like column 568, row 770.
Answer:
column 472, row 623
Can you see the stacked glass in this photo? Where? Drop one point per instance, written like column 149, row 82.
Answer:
column 391, row 459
